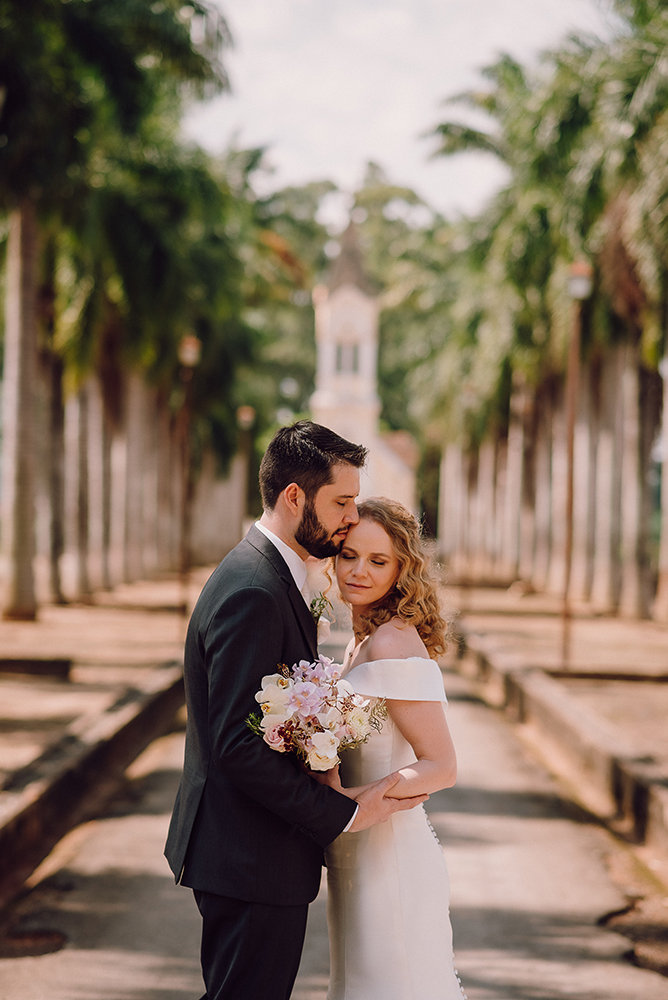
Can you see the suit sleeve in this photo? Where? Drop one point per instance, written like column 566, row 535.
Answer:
column 243, row 643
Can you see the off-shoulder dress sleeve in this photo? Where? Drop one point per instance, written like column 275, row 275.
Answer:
column 415, row 678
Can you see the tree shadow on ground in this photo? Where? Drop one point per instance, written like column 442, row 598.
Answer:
column 493, row 802
column 116, row 909
column 519, row 940
column 150, row 795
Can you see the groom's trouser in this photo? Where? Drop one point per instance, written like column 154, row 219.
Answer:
column 250, row 951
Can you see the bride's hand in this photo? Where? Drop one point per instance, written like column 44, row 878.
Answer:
column 331, row 778
column 376, row 805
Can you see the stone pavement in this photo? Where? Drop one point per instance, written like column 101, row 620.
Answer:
column 133, row 625
column 530, row 876
column 602, row 718
column 82, row 692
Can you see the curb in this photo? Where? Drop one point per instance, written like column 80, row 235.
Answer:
column 625, row 791
column 39, row 666
column 71, row 780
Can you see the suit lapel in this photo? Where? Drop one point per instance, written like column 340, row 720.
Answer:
column 303, row 614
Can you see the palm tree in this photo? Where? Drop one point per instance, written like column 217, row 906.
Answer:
column 18, row 413
column 575, row 138
column 63, row 67
column 517, row 250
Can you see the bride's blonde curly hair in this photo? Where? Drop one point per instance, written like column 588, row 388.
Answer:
column 413, row 598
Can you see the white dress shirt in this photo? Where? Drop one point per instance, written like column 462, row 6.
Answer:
column 297, row 567
column 295, row 563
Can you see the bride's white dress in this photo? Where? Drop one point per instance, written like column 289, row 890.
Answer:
column 388, row 888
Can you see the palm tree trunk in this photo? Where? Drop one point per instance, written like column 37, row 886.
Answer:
column 449, row 487
column 150, row 539
column 134, row 481
column 118, row 503
column 513, row 498
column 482, row 511
column 593, row 420
column 83, row 498
column 474, row 515
column 528, row 505
column 454, row 505
column 660, row 611
column 557, row 572
column 165, row 516
column 18, row 500
column 53, row 457
column 605, row 580
column 543, row 491
column 632, row 602
column 107, row 438
column 500, row 507
column 582, row 499
column 176, row 493
column 56, row 475
column 486, row 478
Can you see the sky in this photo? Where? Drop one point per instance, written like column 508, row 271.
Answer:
column 327, row 85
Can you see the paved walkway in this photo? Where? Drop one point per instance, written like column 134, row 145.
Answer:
column 529, row 883
column 134, row 627
column 618, row 667
column 136, row 624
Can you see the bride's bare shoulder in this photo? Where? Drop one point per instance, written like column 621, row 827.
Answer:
column 395, row 639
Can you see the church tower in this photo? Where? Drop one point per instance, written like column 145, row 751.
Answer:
column 346, row 333
column 346, row 388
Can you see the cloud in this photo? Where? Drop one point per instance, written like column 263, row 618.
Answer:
column 330, row 84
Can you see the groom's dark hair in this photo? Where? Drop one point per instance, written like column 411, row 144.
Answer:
column 306, row 454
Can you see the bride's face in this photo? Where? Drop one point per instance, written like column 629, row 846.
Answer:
column 366, row 567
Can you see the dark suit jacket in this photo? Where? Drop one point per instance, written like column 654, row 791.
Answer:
column 247, row 821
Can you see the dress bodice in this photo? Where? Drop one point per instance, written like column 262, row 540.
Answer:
column 415, row 678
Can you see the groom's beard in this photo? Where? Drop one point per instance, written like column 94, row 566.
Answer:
column 312, row 534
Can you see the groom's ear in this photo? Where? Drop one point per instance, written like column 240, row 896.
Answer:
column 294, row 497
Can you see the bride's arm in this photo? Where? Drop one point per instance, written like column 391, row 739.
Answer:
column 423, row 725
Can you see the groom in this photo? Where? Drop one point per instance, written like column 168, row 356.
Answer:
column 249, row 826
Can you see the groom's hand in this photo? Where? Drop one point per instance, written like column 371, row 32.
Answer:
column 375, row 808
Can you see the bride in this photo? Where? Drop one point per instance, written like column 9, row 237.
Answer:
column 388, row 890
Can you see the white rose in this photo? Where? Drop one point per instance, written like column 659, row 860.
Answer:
column 357, row 721
column 322, row 754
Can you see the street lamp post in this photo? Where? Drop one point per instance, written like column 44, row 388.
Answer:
column 580, row 285
column 660, row 612
column 245, row 421
column 189, row 353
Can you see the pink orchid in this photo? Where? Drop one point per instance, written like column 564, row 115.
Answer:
column 305, row 699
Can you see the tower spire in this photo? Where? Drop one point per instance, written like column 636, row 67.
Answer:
column 348, row 267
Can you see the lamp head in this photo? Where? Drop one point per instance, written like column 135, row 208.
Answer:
column 189, row 350
column 580, row 280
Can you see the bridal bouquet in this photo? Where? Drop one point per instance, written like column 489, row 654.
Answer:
column 308, row 709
